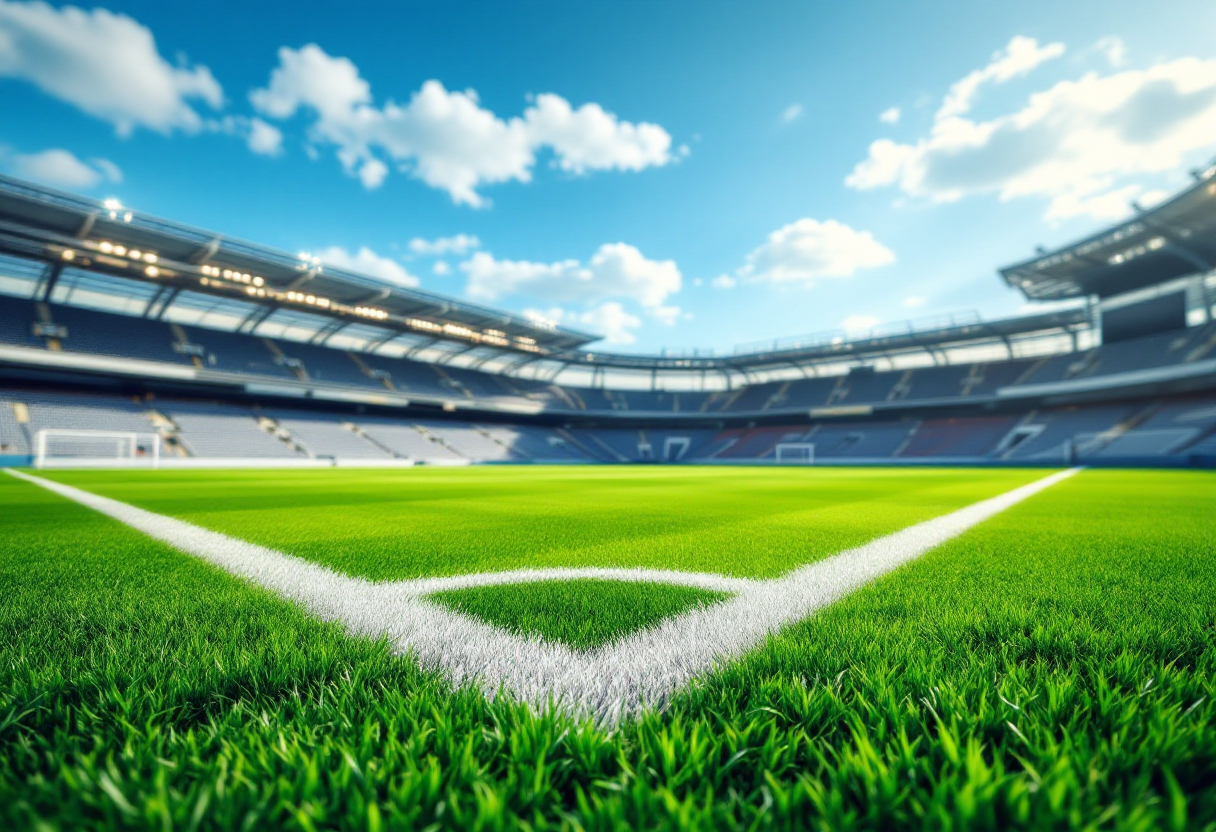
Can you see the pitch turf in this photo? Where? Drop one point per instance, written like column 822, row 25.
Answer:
column 580, row 613
column 1052, row 668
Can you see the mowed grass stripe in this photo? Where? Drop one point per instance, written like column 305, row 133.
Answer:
column 141, row 687
column 397, row 524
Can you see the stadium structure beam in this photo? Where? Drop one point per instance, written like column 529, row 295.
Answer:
column 375, row 297
column 206, row 252
column 304, row 278
column 1177, row 245
column 154, row 301
column 50, row 276
column 254, row 318
column 417, row 348
column 447, row 358
column 326, row 332
column 86, row 226
column 164, row 307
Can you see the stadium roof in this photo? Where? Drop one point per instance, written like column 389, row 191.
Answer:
column 69, row 230
column 1173, row 239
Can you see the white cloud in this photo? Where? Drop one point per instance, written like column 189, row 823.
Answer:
column 666, row 314
column 264, row 139
column 615, row 271
column 590, row 138
column 457, row 244
column 445, row 137
column 441, row 268
column 914, row 301
column 854, row 324
column 609, row 319
column 1019, row 57
column 105, row 64
column 724, row 281
column 61, row 168
column 1074, row 144
column 791, row 113
column 367, row 262
column 1114, row 50
column 807, row 249
column 890, row 115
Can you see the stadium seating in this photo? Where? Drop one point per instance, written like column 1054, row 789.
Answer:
column 17, row 317
column 327, row 436
column 101, row 333
column 406, row 440
column 235, row 353
column 1079, row 426
column 871, row 440
column 73, row 411
column 537, row 444
column 409, row 376
column 329, row 366
column 468, row 441
column 224, row 431
column 938, row 382
column 13, row 436
column 958, row 438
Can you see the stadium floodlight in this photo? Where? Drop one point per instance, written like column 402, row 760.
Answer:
column 795, row 453
column 105, row 246
column 112, row 204
column 152, row 271
column 68, row 448
column 69, row 255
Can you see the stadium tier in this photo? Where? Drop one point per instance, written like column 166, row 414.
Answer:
column 218, row 352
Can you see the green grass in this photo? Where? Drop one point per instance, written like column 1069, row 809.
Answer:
column 1053, row 668
column 581, row 613
column 399, row 523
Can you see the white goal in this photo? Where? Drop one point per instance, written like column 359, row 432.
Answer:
column 64, row 448
column 795, row 453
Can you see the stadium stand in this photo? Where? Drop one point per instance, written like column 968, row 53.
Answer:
column 538, row 444
column 1064, row 435
column 235, row 353
column 966, row 437
column 100, row 333
column 1125, row 373
column 327, row 436
column 408, row 376
column 468, row 441
column 860, row 441
column 327, row 365
column 84, row 411
column 407, row 441
column 211, row 430
column 13, row 437
column 17, row 317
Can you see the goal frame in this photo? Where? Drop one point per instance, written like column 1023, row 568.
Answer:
column 118, row 461
column 780, row 459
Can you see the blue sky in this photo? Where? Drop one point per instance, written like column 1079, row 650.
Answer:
column 673, row 175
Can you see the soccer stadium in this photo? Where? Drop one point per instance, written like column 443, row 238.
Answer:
column 288, row 544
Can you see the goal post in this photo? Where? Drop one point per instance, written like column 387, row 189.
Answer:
column 64, row 447
column 795, row 453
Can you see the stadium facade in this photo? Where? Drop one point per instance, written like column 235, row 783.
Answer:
column 227, row 352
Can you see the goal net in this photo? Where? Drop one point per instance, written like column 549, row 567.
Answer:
column 795, row 453
column 55, row 447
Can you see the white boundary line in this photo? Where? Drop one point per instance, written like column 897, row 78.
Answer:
column 609, row 683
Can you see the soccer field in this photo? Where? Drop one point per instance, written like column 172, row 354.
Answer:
column 809, row 647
